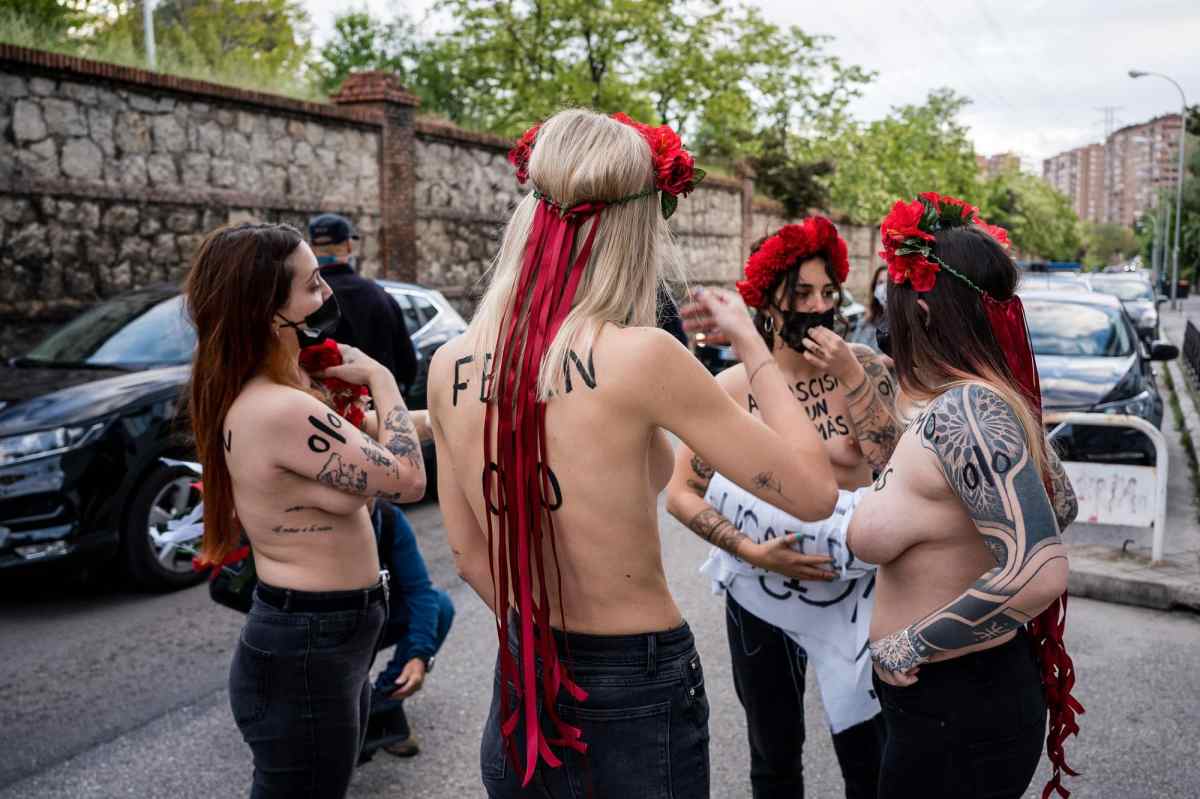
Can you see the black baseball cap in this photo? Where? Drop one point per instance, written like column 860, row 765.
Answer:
column 330, row 229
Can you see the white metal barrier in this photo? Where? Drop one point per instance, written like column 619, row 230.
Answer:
column 1127, row 503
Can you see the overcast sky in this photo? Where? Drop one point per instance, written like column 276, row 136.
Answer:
column 1039, row 72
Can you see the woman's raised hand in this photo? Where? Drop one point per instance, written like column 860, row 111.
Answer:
column 357, row 367
column 721, row 315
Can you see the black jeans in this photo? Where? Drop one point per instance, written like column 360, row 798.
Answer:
column 970, row 728
column 300, row 693
column 768, row 675
column 645, row 722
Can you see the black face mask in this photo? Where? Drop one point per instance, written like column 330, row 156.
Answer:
column 883, row 337
column 318, row 325
column 797, row 324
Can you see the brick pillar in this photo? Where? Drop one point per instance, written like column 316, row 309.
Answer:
column 746, row 172
column 383, row 94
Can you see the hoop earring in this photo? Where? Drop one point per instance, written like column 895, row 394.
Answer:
column 768, row 323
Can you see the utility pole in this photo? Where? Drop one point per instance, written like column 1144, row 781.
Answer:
column 148, row 28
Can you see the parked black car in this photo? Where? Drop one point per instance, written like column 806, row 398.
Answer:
column 1138, row 297
column 88, row 414
column 1090, row 359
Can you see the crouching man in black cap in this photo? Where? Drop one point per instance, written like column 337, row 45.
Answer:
column 419, row 615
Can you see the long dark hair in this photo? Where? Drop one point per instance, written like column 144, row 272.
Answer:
column 953, row 342
column 787, row 279
column 239, row 278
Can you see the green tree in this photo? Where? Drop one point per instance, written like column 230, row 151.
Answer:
column 915, row 148
column 360, row 42
column 51, row 18
column 1108, row 243
column 255, row 40
column 1040, row 221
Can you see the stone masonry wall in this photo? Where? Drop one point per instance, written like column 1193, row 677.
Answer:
column 110, row 177
column 109, row 182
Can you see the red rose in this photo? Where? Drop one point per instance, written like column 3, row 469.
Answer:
column 320, row 357
column 996, row 232
column 902, row 222
column 674, row 174
column 914, row 269
column 519, row 155
column 750, row 293
column 933, row 198
column 966, row 212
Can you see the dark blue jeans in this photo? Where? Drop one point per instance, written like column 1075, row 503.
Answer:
column 768, row 675
column 300, row 692
column 969, row 728
column 645, row 722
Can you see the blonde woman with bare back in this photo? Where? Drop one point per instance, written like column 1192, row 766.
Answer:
column 549, row 415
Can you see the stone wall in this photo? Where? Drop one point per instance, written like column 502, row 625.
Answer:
column 110, row 177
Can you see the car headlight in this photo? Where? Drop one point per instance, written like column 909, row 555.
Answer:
column 17, row 449
column 1138, row 405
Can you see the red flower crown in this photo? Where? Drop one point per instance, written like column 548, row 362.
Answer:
column 675, row 172
column 792, row 244
column 908, row 232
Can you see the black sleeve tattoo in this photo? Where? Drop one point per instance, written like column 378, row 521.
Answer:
column 717, row 530
column 982, row 449
column 872, row 410
column 401, row 436
column 1066, row 505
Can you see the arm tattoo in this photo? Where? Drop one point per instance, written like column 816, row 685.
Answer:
column 982, row 450
column 764, row 480
column 717, row 530
column 1066, row 505
column 401, row 439
column 703, row 472
column 337, row 473
column 871, row 405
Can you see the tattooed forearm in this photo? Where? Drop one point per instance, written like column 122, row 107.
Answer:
column 717, row 530
column 981, row 447
column 400, row 436
column 1066, row 505
column 871, row 405
column 337, row 473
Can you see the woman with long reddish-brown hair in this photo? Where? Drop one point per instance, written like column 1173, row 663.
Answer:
column 282, row 466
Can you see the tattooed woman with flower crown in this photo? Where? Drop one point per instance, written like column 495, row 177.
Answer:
column 549, row 416
column 964, row 521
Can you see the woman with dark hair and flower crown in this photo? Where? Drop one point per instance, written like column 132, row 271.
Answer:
column 549, row 416
column 964, row 522
column 795, row 596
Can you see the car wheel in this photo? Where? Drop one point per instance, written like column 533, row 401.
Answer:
column 167, row 493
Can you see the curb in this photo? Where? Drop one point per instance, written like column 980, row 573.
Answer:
column 1153, row 594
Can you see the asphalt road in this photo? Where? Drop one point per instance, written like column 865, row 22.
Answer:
column 122, row 695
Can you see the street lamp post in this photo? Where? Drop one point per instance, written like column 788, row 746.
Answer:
column 148, row 29
column 1135, row 73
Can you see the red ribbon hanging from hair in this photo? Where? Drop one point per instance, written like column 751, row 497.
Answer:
column 1007, row 320
column 517, row 488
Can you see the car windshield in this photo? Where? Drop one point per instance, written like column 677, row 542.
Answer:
column 1072, row 328
column 135, row 329
column 1042, row 281
column 1124, row 289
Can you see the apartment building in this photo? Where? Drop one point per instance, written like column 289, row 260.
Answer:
column 1119, row 180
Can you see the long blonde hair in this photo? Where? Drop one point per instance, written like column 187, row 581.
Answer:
column 579, row 156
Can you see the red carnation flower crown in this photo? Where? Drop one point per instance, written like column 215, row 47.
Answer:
column 791, row 244
column 908, row 232
column 675, row 172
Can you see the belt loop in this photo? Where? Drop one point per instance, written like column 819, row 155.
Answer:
column 651, row 654
column 287, row 599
